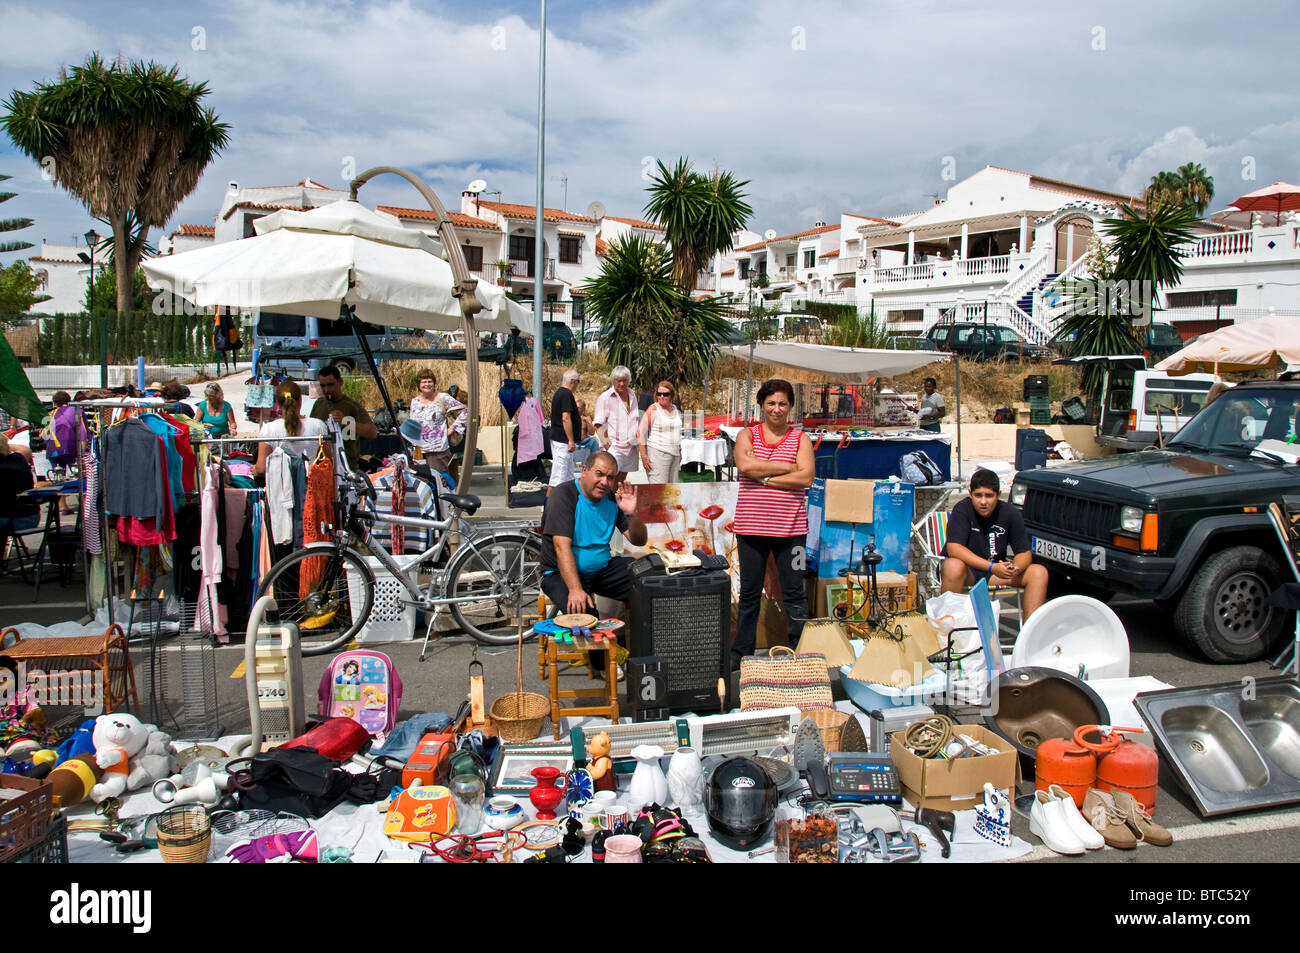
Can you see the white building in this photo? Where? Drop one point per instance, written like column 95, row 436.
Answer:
column 64, row 277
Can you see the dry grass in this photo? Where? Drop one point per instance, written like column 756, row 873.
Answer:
column 985, row 387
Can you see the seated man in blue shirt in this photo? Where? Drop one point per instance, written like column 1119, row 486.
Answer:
column 577, row 525
column 987, row 540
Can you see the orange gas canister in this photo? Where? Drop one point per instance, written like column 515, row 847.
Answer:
column 1061, row 761
column 1122, row 765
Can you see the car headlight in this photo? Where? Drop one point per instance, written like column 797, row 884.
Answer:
column 1018, row 493
column 1130, row 519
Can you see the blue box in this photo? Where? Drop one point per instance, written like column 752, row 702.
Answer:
column 838, row 546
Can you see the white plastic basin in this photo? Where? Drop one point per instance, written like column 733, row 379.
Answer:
column 1074, row 631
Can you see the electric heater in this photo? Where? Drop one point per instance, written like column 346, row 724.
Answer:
column 686, row 621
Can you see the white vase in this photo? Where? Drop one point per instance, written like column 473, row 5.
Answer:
column 686, row 780
column 649, row 786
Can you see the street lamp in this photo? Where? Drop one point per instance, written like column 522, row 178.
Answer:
column 92, row 239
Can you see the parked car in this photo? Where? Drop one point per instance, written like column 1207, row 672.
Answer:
column 1159, row 342
column 1186, row 526
column 981, row 342
column 557, row 340
column 304, row 331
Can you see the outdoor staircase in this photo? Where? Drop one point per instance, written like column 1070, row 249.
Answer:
column 1026, row 301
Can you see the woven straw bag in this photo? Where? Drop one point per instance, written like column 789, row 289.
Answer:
column 785, row 680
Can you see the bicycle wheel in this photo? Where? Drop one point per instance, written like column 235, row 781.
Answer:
column 327, row 615
column 503, row 573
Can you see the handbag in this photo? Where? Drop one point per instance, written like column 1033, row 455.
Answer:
column 260, row 396
column 785, row 680
column 295, row 780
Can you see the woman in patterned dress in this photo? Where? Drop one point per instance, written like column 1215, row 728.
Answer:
column 432, row 409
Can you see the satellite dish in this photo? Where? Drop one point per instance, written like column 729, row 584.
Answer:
column 770, row 234
column 478, row 185
column 596, row 210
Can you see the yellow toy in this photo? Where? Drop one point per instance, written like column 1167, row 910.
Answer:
column 599, row 762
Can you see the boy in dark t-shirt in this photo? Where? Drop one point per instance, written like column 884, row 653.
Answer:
column 987, row 540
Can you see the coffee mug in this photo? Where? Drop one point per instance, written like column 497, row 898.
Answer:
column 623, row 849
column 613, row 818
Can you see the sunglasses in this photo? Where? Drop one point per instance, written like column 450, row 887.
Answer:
column 663, row 393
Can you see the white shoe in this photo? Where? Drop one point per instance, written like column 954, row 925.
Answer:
column 1047, row 821
column 1091, row 838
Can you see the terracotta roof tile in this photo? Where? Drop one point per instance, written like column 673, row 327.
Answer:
column 602, row 246
column 822, row 229
column 458, row 219
column 268, row 208
column 830, row 254
column 636, row 223
column 729, row 271
column 196, row 231
column 530, row 211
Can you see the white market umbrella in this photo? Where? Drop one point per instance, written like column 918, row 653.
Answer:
column 1239, row 347
column 312, row 262
column 342, row 256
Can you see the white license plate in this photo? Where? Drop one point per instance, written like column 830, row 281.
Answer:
column 1056, row 552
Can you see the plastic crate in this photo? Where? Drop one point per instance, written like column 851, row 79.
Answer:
column 24, row 819
column 1040, row 411
column 390, row 619
column 50, row 849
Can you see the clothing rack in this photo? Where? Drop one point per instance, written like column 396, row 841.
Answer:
column 210, row 441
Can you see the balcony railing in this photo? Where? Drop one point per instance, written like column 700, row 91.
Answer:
column 844, row 266
column 1212, row 246
column 520, row 269
column 953, row 270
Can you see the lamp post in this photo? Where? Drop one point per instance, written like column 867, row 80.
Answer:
column 92, row 239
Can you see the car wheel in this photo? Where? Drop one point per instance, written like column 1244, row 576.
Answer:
column 346, row 364
column 1223, row 612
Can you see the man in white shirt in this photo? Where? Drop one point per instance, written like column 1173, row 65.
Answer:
column 617, row 419
column 932, row 407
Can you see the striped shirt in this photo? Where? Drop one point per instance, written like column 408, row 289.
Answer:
column 765, row 510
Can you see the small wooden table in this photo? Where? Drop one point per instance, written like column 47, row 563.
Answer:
column 106, row 655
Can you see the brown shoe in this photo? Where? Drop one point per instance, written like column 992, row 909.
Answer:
column 1100, row 811
column 1139, row 820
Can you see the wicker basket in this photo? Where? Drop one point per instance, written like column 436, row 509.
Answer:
column 519, row 716
column 184, row 835
column 830, row 724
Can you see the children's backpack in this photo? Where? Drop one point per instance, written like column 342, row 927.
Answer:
column 918, row 468
column 364, row 686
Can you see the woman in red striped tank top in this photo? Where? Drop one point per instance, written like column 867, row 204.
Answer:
column 775, row 461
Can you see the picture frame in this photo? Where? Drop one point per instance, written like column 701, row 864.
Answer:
column 511, row 773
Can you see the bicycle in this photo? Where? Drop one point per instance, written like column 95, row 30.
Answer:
column 487, row 582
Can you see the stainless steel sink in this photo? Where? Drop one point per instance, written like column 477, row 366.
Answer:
column 1233, row 746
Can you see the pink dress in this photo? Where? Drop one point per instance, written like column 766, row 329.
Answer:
column 530, row 430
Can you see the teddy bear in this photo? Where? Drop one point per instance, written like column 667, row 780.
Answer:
column 599, row 762
column 132, row 755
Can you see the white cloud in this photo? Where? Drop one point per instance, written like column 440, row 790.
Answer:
column 43, row 39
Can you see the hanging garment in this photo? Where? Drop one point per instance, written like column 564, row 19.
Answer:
column 280, row 496
column 188, row 578
column 149, row 531
column 236, row 512
column 398, row 544
column 134, row 471
column 175, row 465
column 211, row 564
column 265, row 560
column 90, row 504
column 531, row 419
column 318, row 514
column 298, row 475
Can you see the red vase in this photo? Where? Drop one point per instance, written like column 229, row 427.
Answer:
column 545, row 794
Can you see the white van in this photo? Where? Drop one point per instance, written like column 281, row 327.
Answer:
column 1141, row 408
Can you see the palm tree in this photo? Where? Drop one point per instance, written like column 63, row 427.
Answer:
column 1191, row 185
column 653, row 326
column 1108, row 309
column 13, row 224
column 129, row 140
column 700, row 215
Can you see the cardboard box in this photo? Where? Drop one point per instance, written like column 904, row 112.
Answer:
column 849, row 501
column 955, row 785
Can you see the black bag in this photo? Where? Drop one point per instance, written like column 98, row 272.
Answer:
column 376, row 783
column 297, row 781
column 1004, row 415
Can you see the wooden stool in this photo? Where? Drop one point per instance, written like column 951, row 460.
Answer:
column 551, row 653
column 106, row 654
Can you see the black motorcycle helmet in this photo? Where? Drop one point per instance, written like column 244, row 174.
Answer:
column 741, row 801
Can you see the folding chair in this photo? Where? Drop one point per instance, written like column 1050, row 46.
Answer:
column 932, row 535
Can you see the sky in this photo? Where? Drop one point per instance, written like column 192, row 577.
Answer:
column 866, row 106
